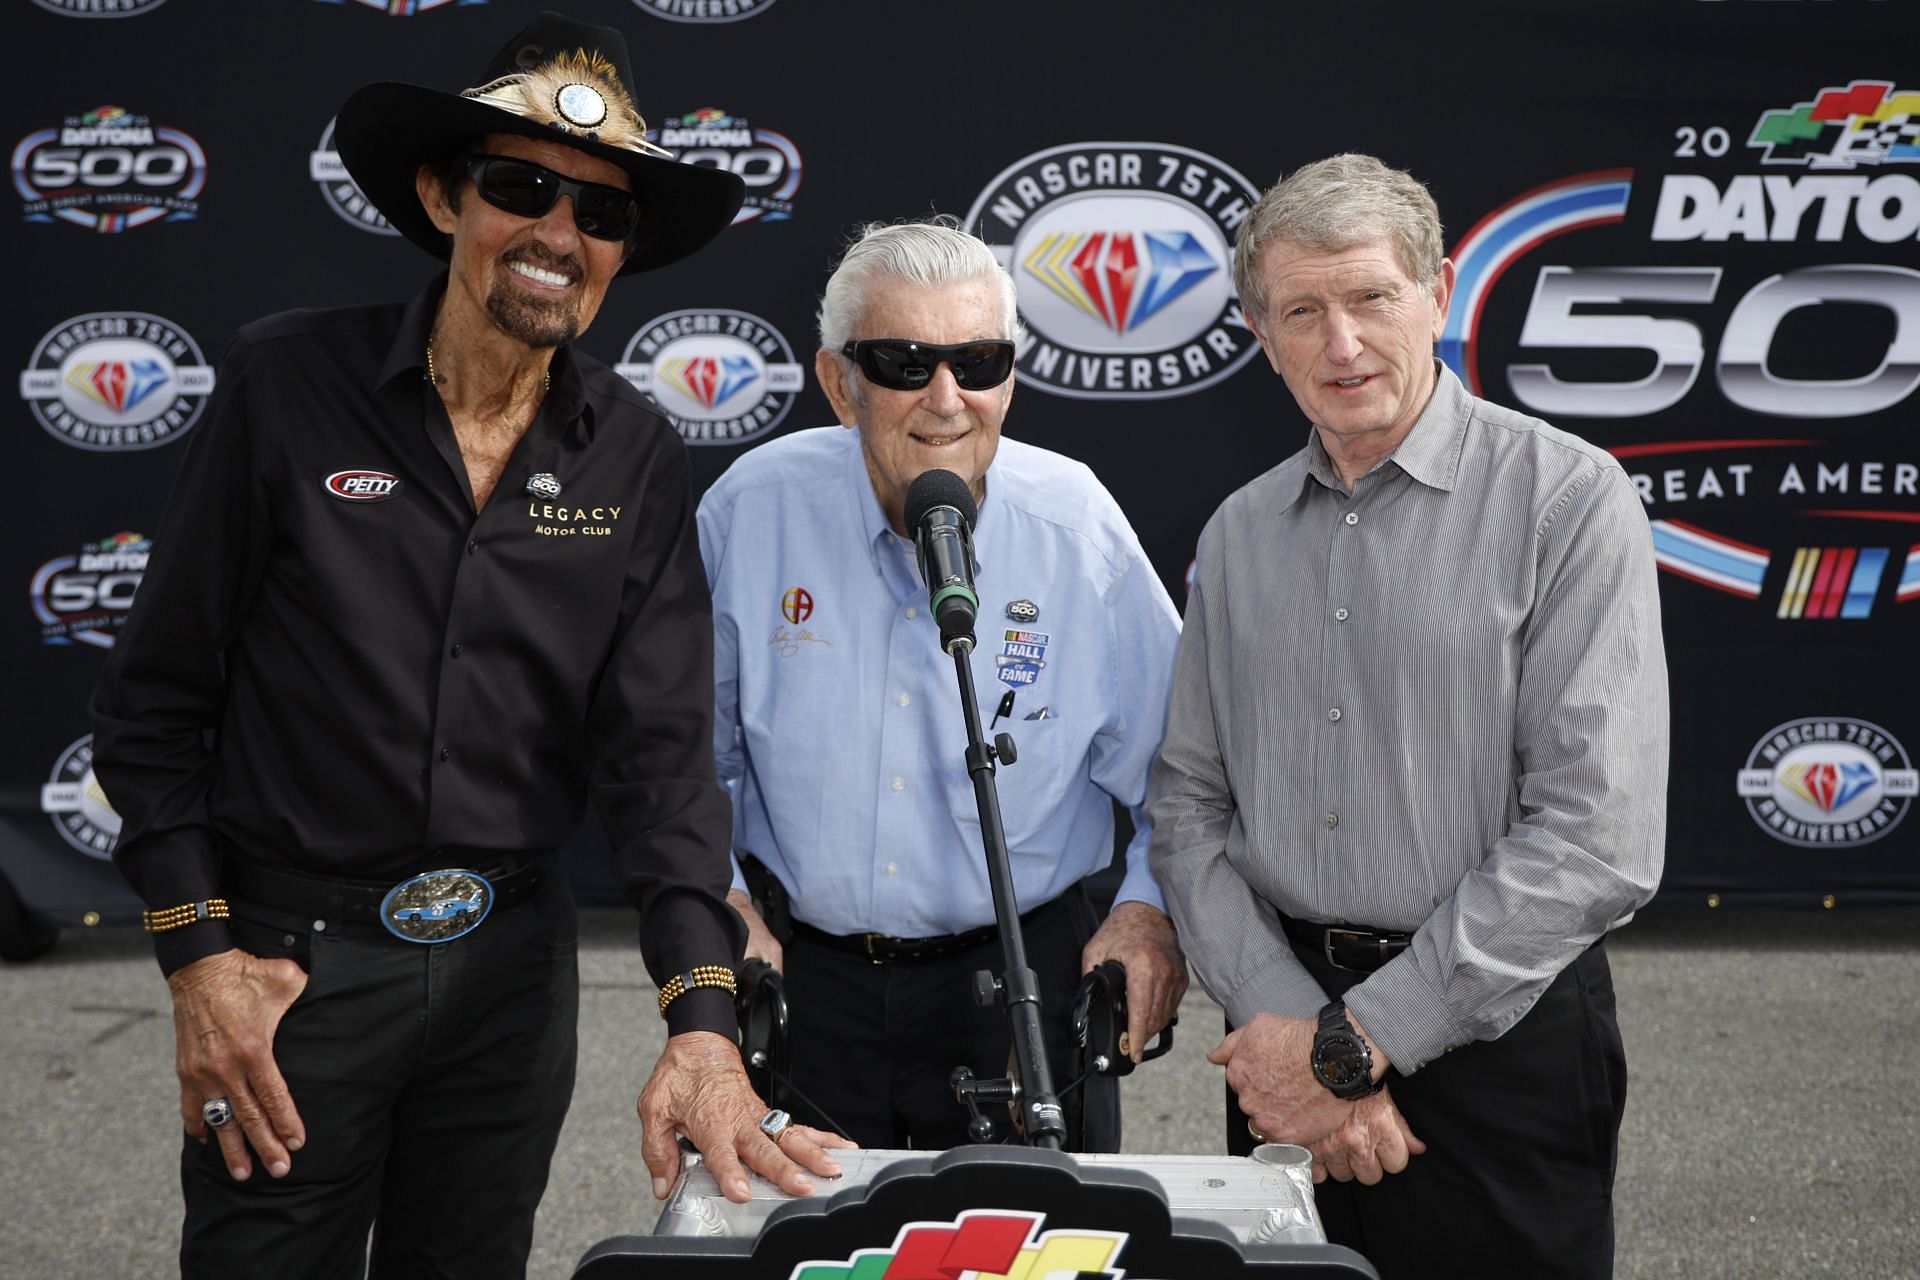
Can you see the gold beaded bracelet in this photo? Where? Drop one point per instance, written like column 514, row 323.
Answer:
column 181, row 916
column 701, row 975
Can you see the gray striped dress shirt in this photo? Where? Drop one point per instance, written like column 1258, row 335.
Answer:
column 1436, row 704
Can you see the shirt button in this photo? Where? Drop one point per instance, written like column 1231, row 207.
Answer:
column 445, row 752
column 912, row 612
column 899, row 784
column 892, row 869
column 1353, row 517
column 904, row 699
column 1339, row 615
column 1333, row 713
column 457, row 648
column 472, row 546
column 1333, row 820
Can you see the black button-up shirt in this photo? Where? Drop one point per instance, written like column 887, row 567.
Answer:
column 336, row 666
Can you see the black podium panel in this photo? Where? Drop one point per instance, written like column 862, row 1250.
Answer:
column 976, row 1210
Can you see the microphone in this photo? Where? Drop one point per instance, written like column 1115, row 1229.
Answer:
column 940, row 511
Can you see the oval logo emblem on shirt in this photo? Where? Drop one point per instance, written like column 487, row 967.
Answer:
column 363, row 486
column 437, row 905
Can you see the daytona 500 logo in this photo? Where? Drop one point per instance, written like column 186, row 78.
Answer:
column 1742, row 320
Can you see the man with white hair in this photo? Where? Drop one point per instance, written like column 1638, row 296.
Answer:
column 1415, row 765
column 836, row 724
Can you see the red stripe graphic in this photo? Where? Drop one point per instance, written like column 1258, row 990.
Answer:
column 1837, row 588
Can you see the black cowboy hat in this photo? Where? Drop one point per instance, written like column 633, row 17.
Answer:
column 557, row 80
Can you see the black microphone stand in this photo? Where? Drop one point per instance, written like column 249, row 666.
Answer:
column 1030, row 1091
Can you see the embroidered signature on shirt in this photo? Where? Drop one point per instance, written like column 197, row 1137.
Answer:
column 789, row 642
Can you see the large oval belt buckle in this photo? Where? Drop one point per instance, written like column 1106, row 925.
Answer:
column 437, row 906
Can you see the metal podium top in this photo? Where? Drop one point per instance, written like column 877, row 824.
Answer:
column 1265, row 1198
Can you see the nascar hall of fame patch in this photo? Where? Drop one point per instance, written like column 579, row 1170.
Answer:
column 99, row 8
column 1723, row 313
column 1828, row 782
column 721, row 377
column 1123, row 254
column 340, row 191
column 73, row 799
column 704, row 10
column 766, row 161
column 82, row 599
column 110, row 381
column 109, row 171
column 403, row 8
column 1022, row 657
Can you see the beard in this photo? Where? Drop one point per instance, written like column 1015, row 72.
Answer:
column 536, row 321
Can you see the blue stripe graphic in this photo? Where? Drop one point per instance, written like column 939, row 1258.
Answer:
column 1866, row 581
column 1693, row 553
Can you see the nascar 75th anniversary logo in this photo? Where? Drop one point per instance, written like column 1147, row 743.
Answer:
column 1743, row 317
column 1123, row 252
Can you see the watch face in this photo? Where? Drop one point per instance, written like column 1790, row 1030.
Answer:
column 1339, row 1060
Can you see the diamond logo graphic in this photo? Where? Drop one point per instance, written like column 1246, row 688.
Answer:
column 711, row 380
column 1101, row 274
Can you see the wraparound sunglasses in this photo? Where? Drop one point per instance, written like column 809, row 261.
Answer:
column 901, row 364
column 528, row 190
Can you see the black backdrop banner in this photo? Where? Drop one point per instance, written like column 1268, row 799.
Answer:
column 1688, row 230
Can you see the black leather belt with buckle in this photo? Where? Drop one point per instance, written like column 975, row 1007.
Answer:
column 881, row 948
column 1350, row 947
column 434, row 906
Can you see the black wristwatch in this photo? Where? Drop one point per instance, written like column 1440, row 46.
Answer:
column 1341, row 1060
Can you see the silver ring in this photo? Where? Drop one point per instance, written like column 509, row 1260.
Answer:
column 775, row 1123
column 217, row 1112
column 1257, row 1135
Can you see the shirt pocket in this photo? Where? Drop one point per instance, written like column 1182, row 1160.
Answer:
column 1045, row 784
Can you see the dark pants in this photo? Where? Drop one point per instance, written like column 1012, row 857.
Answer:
column 432, row 1080
column 1521, row 1133
column 873, row 1045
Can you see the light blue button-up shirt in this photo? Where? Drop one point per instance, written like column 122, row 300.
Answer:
column 839, row 730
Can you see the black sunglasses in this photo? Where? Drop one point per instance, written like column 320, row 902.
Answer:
column 901, row 364
column 528, row 190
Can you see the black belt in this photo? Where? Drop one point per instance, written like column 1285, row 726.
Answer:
column 882, row 948
column 1346, row 946
column 332, row 901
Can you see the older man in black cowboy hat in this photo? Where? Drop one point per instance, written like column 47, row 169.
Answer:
column 427, row 580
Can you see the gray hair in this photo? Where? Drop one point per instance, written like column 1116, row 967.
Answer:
column 1331, row 206
column 934, row 252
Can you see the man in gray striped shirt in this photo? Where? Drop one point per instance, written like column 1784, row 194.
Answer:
column 1416, row 761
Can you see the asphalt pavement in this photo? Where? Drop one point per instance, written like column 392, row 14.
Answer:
column 1771, row 1126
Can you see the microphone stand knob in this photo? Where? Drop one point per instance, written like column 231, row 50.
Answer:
column 1003, row 748
column 986, row 989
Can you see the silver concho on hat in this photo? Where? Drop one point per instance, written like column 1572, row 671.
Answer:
column 580, row 105
column 543, row 484
column 437, row 906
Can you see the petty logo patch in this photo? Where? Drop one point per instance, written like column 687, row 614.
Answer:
column 436, row 906
column 797, row 605
column 362, row 486
column 1022, row 658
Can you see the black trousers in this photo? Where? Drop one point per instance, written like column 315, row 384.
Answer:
column 873, row 1045
column 433, row 1081
column 1522, row 1134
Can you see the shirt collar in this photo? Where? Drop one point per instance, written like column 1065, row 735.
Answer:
column 874, row 521
column 566, row 399
column 1430, row 453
